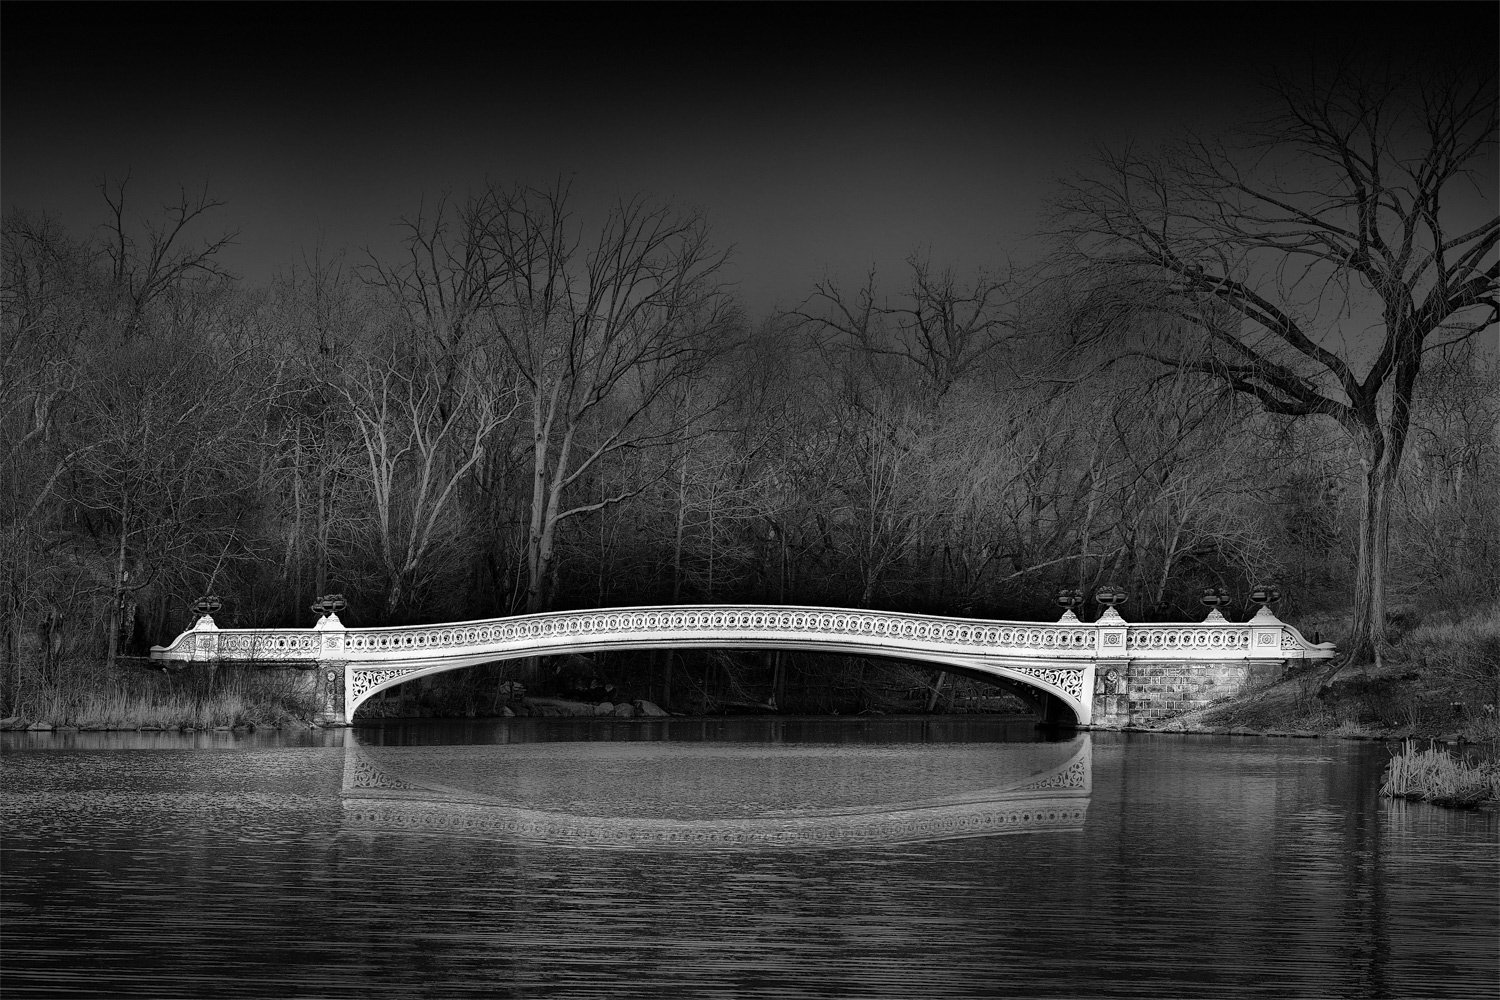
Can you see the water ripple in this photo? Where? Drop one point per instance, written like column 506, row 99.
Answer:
column 1231, row 868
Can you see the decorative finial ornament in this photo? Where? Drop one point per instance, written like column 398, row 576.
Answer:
column 1110, row 595
column 329, row 604
column 203, row 612
column 1214, row 599
column 1069, row 599
column 1265, row 595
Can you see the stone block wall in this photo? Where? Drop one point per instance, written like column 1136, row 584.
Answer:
column 1145, row 692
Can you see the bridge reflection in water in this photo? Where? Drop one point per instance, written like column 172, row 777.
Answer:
column 696, row 796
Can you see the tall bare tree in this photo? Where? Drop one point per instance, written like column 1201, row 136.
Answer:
column 148, row 261
column 1314, row 266
column 598, row 326
column 941, row 326
column 420, row 444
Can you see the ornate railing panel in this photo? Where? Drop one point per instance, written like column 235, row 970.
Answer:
column 1111, row 636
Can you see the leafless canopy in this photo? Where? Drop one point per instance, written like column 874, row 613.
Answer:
column 1312, row 265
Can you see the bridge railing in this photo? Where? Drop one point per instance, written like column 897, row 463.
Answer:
column 1111, row 637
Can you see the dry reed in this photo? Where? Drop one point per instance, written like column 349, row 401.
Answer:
column 140, row 701
column 1434, row 775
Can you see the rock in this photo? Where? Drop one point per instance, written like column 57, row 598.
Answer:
column 40, row 727
column 625, row 711
column 559, row 706
column 648, row 708
column 506, row 712
column 604, row 708
column 14, row 722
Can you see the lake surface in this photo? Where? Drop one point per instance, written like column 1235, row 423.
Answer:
column 732, row 858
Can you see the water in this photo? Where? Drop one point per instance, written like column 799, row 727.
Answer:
column 755, row 858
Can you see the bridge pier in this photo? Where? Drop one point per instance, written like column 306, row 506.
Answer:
column 332, row 694
column 1143, row 692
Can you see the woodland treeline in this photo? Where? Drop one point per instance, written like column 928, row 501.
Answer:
column 530, row 409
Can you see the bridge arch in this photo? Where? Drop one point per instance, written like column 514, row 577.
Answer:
column 1053, row 694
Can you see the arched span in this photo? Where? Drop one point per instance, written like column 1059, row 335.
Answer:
column 1049, row 687
column 1056, row 660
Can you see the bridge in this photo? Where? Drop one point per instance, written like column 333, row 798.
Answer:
column 1108, row 672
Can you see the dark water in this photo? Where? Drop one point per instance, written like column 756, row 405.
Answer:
column 769, row 858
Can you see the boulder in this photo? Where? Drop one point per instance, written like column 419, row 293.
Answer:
column 558, row 706
column 605, row 708
column 624, row 710
column 40, row 727
column 649, row 708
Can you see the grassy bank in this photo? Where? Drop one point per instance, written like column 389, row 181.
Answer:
column 1437, row 776
column 1440, row 681
column 151, row 699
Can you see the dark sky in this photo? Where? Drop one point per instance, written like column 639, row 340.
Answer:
column 816, row 139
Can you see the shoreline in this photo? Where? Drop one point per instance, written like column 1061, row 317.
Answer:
column 1169, row 728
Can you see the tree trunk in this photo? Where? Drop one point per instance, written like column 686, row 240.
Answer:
column 117, row 592
column 666, row 682
column 937, row 691
column 546, row 498
column 1367, row 637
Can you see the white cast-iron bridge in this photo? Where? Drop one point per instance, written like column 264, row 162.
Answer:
column 1055, row 664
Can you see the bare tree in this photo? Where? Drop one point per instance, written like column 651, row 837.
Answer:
column 597, row 325
column 314, row 320
column 420, row 444
column 598, row 330
column 146, row 266
column 1348, row 214
column 1447, row 523
column 126, row 408
column 942, row 327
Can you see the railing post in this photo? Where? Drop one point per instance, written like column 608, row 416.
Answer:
column 1266, row 631
column 1109, row 635
column 205, row 640
column 333, row 672
column 332, row 645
